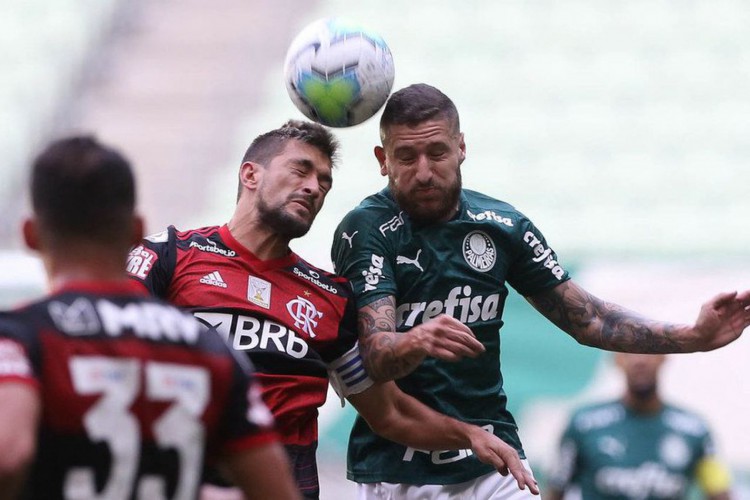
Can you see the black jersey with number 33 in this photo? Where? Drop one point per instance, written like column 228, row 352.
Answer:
column 135, row 394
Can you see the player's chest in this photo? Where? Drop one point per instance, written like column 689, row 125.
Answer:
column 651, row 465
column 455, row 253
column 253, row 298
column 635, row 447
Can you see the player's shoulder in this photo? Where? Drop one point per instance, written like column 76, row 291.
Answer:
column 17, row 323
column 172, row 233
column 480, row 206
column 207, row 239
column 152, row 245
column 481, row 199
column 684, row 421
column 200, row 233
column 597, row 415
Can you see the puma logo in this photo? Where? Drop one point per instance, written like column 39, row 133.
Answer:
column 348, row 238
column 400, row 259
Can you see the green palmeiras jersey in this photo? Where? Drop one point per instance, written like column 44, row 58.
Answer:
column 459, row 268
column 611, row 452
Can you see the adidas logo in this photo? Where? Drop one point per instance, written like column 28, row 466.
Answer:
column 214, row 279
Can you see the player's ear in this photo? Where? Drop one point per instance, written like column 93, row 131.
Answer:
column 30, row 232
column 462, row 148
column 380, row 155
column 249, row 174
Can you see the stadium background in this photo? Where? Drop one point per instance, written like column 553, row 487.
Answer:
column 620, row 128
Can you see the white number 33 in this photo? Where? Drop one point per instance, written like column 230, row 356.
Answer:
column 118, row 381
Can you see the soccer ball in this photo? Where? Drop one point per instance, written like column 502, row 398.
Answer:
column 337, row 73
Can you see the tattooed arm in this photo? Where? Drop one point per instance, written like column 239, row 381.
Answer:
column 389, row 354
column 595, row 322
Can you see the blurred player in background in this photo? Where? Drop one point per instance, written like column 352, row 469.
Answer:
column 296, row 322
column 424, row 247
column 637, row 447
column 106, row 392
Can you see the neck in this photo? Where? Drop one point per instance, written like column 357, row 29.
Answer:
column 263, row 242
column 642, row 404
column 84, row 264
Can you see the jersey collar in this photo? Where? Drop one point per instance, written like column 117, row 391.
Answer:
column 462, row 203
column 282, row 262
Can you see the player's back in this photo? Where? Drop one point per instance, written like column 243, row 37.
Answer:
column 132, row 389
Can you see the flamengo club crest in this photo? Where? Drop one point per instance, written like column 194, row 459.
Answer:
column 479, row 251
column 305, row 314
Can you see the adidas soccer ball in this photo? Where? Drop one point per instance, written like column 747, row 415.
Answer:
column 337, row 73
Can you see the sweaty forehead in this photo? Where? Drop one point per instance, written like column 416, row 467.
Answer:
column 432, row 131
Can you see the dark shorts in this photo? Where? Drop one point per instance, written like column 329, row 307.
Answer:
column 305, row 469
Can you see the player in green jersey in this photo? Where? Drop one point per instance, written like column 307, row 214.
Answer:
column 424, row 248
column 638, row 447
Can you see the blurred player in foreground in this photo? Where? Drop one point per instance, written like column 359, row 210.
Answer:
column 297, row 323
column 637, row 447
column 106, row 392
column 423, row 248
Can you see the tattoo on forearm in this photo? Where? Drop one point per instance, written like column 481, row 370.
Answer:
column 594, row 322
column 378, row 339
column 378, row 316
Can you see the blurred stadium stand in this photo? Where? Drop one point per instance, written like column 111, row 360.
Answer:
column 166, row 81
column 620, row 128
column 44, row 48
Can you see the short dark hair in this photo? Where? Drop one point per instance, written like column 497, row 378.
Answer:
column 415, row 104
column 81, row 189
column 267, row 146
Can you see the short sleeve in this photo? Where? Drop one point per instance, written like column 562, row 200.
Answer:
column 535, row 266
column 711, row 474
column 17, row 353
column 152, row 262
column 361, row 253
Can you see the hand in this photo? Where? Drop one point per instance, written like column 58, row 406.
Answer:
column 446, row 338
column 490, row 449
column 722, row 320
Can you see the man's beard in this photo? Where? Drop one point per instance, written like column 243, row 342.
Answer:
column 282, row 222
column 423, row 215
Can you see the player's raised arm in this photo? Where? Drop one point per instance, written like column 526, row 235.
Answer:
column 389, row 354
column 598, row 323
column 401, row 418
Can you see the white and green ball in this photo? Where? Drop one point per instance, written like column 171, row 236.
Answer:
column 337, row 73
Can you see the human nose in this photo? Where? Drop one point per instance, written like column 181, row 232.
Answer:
column 311, row 187
column 423, row 172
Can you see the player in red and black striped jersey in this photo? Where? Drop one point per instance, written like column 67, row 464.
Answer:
column 107, row 392
column 297, row 323
column 293, row 320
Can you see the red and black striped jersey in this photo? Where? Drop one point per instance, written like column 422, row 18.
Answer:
column 296, row 322
column 135, row 393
